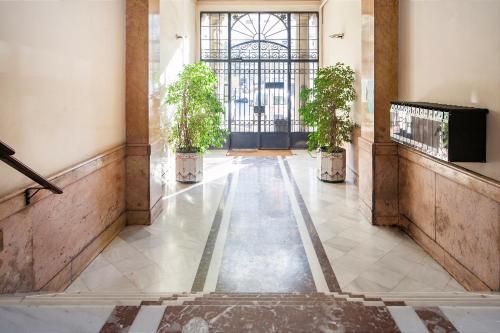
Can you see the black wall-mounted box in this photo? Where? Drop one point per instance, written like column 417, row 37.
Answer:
column 448, row 132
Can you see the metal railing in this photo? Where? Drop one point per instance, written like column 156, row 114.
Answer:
column 6, row 155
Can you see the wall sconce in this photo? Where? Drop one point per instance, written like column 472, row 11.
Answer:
column 177, row 36
column 339, row 36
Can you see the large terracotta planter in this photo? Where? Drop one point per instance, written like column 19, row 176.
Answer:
column 331, row 166
column 188, row 167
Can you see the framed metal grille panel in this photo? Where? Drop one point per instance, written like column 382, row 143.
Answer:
column 263, row 61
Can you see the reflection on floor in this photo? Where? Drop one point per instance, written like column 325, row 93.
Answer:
column 195, row 243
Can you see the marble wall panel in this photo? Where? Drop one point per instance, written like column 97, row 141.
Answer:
column 427, row 243
column 137, row 71
column 98, row 244
column 485, row 186
column 454, row 215
column 60, row 282
column 365, row 177
column 464, row 276
column 71, row 271
column 385, row 65
column 385, row 184
column 417, row 195
column 65, row 224
column 16, row 258
column 138, row 182
column 467, row 226
column 41, row 239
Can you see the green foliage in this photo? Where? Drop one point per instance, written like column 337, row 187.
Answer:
column 197, row 120
column 327, row 108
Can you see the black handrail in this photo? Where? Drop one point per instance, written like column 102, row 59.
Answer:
column 6, row 153
column 6, row 150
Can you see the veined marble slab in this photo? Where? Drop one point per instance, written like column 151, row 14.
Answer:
column 53, row 319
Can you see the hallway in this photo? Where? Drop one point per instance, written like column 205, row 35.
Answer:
column 262, row 224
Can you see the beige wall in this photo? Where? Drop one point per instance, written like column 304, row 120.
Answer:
column 449, row 52
column 178, row 17
column 344, row 16
column 62, row 80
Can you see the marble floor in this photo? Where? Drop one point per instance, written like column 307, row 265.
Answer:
column 239, row 313
column 262, row 224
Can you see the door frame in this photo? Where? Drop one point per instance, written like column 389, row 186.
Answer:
column 261, row 139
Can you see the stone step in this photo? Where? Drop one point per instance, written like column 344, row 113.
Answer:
column 112, row 298
column 270, row 297
column 432, row 294
column 354, row 317
column 265, row 303
column 350, row 317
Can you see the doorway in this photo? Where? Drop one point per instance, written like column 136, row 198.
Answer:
column 262, row 61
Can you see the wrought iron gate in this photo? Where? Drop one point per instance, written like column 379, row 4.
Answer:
column 262, row 61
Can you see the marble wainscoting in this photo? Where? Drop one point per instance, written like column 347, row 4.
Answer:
column 379, row 77
column 378, row 182
column 48, row 243
column 271, row 215
column 454, row 215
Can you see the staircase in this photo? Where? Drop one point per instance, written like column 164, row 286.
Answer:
column 251, row 312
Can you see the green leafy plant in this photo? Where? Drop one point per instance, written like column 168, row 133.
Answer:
column 327, row 108
column 196, row 124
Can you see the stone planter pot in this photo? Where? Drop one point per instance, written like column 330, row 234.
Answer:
column 331, row 166
column 188, row 167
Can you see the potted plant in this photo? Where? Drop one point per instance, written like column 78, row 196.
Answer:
column 196, row 123
column 326, row 108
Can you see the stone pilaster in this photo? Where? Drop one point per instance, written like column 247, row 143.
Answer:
column 145, row 146
column 378, row 160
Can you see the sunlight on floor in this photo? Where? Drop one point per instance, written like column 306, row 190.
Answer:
column 165, row 256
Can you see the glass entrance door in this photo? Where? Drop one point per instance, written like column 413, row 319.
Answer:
column 256, row 56
column 260, row 105
column 275, row 116
column 245, row 106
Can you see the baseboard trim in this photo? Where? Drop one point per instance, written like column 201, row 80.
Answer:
column 459, row 272
column 71, row 271
column 355, row 176
column 366, row 210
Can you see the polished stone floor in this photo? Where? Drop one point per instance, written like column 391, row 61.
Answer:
column 262, row 224
column 236, row 312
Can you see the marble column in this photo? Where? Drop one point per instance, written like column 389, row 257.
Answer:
column 145, row 145
column 378, row 159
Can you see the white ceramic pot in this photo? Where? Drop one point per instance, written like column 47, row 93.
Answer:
column 188, row 167
column 331, row 166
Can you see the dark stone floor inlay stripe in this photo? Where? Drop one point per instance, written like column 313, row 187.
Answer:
column 263, row 251
column 326, row 267
column 435, row 320
column 206, row 258
column 120, row 319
